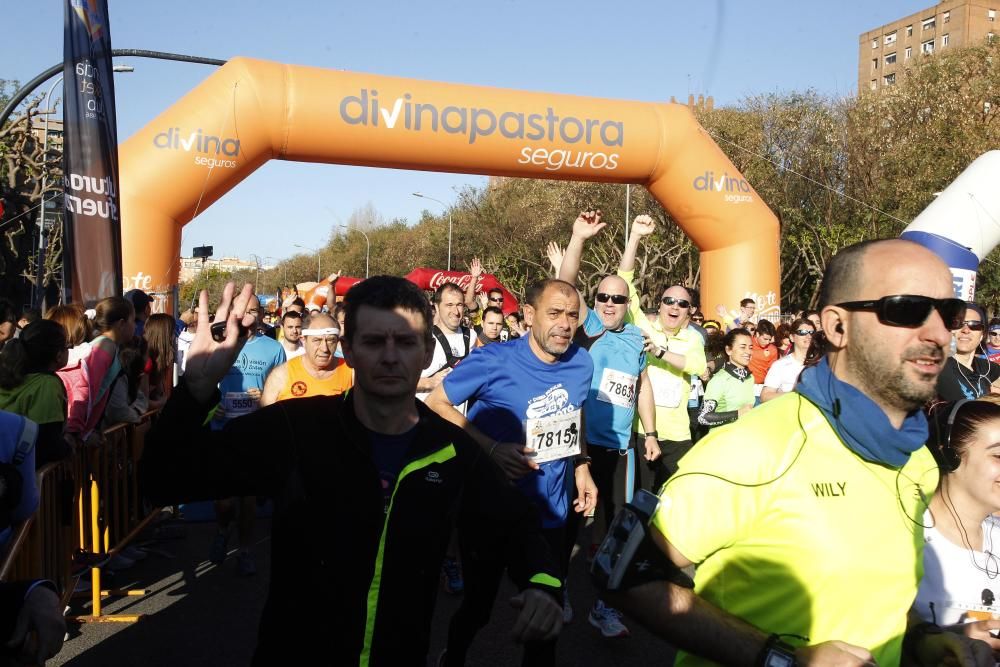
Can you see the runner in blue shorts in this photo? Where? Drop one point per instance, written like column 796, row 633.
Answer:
column 527, row 414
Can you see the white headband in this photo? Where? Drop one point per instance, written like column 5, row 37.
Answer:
column 329, row 331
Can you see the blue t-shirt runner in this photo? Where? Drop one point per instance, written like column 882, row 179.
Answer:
column 256, row 360
column 516, row 393
column 618, row 362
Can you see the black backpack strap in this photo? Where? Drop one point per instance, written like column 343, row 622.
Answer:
column 450, row 360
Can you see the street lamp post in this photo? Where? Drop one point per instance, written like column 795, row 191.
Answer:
column 319, row 260
column 368, row 246
column 256, row 283
column 423, row 196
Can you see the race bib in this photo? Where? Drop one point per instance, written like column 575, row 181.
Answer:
column 666, row 390
column 554, row 437
column 238, row 403
column 617, row 388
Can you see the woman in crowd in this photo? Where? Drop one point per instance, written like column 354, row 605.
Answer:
column 961, row 582
column 128, row 401
column 783, row 340
column 730, row 394
column 159, row 335
column 30, row 388
column 784, row 373
column 74, row 322
column 966, row 375
column 88, row 381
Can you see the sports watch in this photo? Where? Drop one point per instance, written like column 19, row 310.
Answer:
column 776, row 653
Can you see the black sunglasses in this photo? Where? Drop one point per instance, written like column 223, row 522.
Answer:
column 617, row 299
column 671, row 300
column 911, row 310
column 804, row 332
column 974, row 325
column 498, row 299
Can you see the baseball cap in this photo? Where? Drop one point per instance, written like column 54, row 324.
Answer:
column 138, row 298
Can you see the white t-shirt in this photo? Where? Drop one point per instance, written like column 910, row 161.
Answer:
column 457, row 343
column 296, row 351
column 784, row 373
column 956, row 578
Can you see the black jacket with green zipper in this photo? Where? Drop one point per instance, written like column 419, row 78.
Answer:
column 351, row 582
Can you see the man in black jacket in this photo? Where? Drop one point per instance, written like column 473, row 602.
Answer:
column 393, row 473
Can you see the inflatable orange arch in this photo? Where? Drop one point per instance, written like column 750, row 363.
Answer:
column 251, row 111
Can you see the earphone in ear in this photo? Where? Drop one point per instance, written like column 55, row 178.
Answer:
column 839, row 328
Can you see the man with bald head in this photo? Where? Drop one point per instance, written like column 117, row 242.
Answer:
column 805, row 518
column 620, row 384
column 316, row 372
column 526, row 399
column 677, row 353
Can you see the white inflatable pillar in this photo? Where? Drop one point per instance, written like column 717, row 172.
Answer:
column 962, row 225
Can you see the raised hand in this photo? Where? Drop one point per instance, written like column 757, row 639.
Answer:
column 333, row 277
column 643, row 225
column 208, row 361
column 555, row 254
column 588, row 224
column 475, row 267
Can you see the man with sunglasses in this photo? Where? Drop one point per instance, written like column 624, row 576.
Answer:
column 805, row 517
column 966, row 374
column 992, row 351
column 620, row 385
column 677, row 352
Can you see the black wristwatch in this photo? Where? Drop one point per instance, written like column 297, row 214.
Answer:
column 662, row 351
column 651, row 434
column 581, row 460
column 776, row 653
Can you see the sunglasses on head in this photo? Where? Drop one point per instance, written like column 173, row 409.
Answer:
column 911, row 310
column 671, row 300
column 617, row 299
column 804, row 332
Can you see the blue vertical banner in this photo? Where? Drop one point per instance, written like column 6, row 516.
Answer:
column 92, row 256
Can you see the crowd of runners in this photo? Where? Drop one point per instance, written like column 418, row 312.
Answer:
column 827, row 479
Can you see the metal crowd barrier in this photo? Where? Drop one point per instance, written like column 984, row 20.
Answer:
column 42, row 546
column 90, row 507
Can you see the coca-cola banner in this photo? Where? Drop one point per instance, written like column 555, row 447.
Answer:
column 431, row 279
column 92, row 258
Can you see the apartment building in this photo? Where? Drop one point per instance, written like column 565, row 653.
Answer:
column 885, row 52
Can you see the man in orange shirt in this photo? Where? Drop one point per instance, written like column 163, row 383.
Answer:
column 763, row 353
column 317, row 372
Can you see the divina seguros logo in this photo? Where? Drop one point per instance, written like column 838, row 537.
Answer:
column 737, row 190
column 198, row 142
column 475, row 123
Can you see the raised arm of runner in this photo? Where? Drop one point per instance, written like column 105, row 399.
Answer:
column 587, row 225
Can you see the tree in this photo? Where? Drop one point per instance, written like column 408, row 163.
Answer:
column 24, row 165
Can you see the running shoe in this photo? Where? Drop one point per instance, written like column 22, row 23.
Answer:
column 245, row 564
column 608, row 621
column 452, row 576
column 217, row 552
column 567, row 608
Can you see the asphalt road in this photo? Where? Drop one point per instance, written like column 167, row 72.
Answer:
column 197, row 614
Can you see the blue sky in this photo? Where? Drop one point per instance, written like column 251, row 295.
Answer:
column 646, row 51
